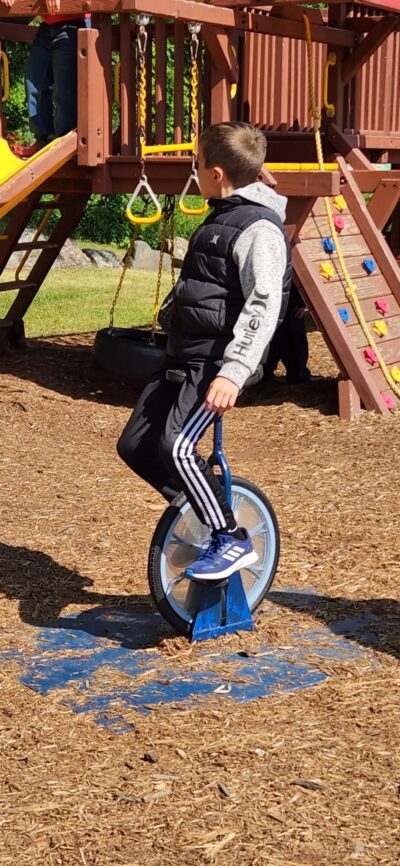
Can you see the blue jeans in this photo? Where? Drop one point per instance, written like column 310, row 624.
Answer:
column 52, row 80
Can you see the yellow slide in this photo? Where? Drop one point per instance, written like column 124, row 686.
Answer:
column 19, row 177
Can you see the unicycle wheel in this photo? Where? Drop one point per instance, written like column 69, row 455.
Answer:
column 176, row 542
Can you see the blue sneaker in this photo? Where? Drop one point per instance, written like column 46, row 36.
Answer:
column 222, row 557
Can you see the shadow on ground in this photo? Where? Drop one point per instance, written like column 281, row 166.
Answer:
column 66, row 365
column 372, row 623
column 43, row 588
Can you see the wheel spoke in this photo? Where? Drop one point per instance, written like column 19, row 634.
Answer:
column 260, row 529
column 258, row 571
column 177, row 540
column 175, row 581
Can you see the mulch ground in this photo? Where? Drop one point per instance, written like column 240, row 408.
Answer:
column 308, row 778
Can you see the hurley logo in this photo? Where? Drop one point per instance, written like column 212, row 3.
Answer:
column 214, row 239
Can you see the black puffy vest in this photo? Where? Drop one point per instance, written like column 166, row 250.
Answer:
column 208, row 298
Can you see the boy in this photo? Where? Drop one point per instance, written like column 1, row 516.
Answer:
column 219, row 320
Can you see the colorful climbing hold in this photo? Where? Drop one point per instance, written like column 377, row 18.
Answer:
column 382, row 305
column 380, row 328
column 369, row 266
column 370, row 356
column 328, row 245
column 395, row 373
column 388, row 400
column 339, row 202
column 338, row 222
column 327, row 270
column 344, row 314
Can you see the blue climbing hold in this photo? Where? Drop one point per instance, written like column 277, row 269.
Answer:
column 369, row 266
column 328, row 245
column 344, row 314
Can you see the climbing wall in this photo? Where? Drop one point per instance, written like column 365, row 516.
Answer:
column 377, row 278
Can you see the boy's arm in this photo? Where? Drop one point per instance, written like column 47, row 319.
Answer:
column 261, row 256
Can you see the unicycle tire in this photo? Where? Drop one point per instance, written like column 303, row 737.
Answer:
column 178, row 537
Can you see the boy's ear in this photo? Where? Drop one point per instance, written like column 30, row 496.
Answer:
column 218, row 174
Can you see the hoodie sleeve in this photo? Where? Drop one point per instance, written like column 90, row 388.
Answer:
column 261, row 257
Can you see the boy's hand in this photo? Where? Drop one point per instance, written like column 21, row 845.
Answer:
column 53, row 6
column 221, row 395
column 8, row 3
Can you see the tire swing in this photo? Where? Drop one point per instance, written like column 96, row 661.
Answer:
column 136, row 354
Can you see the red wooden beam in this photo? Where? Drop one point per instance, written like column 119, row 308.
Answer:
column 221, row 50
column 221, row 16
column 365, row 49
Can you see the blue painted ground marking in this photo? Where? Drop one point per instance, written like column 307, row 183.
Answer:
column 86, row 649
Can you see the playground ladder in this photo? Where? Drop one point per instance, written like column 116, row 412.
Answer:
column 71, row 208
column 362, row 242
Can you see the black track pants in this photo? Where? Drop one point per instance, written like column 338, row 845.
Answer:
column 159, row 443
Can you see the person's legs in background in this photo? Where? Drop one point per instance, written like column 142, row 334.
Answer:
column 38, row 83
column 64, row 61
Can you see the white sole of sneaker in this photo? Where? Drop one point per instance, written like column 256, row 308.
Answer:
column 243, row 562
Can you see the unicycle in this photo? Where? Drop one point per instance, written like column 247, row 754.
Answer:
column 179, row 535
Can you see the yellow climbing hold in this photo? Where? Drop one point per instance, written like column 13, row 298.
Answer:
column 339, row 202
column 395, row 373
column 380, row 328
column 327, row 270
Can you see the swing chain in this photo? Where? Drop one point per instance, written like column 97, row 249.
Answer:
column 142, row 36
column 194, row 87
column 167, row 225
column 130, row 253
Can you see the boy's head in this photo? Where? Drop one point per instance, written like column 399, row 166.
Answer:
column 231, row 155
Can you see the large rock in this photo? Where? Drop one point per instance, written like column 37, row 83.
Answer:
column 147, row 259
column 71, row 256
column 102, row 258
column 180, row 249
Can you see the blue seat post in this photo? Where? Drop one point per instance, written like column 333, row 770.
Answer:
column 218, row 458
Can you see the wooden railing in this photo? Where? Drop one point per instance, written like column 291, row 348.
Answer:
column 245, row 73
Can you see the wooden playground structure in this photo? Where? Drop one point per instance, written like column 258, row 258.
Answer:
column 323, row 85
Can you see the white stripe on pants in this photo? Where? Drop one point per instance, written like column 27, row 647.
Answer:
column 184, row 460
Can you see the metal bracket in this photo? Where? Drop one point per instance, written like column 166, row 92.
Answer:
column 222, row 609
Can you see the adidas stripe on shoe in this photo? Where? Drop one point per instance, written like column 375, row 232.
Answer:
column 222, row 557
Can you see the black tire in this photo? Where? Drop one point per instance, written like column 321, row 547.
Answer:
column 126, row 353
column 162, row 531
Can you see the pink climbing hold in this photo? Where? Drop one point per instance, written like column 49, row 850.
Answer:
column 338, row 222
column 370, row 356
column 388, row 400
column 382, row 306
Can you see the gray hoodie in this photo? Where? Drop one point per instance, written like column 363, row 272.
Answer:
column 260, row 254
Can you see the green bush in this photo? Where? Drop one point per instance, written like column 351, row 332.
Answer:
column 104, row 221
column 15, row 108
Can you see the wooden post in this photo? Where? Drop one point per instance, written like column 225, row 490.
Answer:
column 160, row 81
column 127, row 86
column 349, row 400
column 91, row 132
column 224, row 72
column 336, row 18
column 179, row 41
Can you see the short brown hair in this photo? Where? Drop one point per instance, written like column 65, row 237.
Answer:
column 238, row 148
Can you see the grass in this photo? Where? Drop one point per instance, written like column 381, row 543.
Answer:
column 78, row 300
